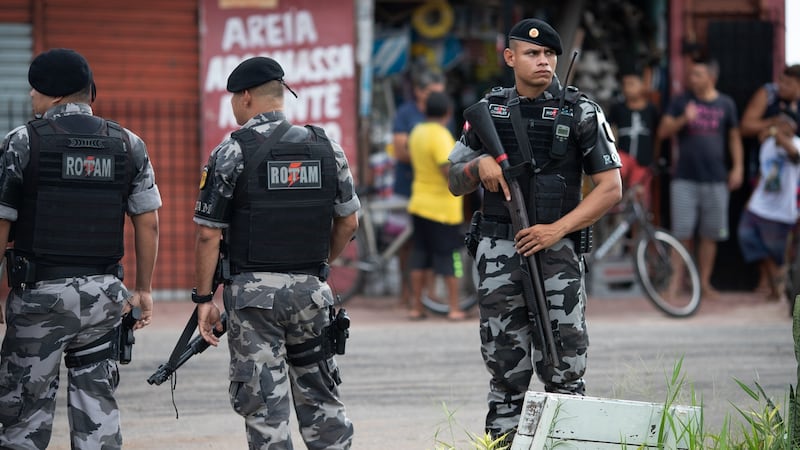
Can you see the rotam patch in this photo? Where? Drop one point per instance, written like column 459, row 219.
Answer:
column 80, row 166
column 294, row 175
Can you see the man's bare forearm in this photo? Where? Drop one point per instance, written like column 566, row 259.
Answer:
column 464, row 177
column 146, row 230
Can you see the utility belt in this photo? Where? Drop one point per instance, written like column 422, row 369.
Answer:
column 492, row 227
column 23, row 271
column 498, row 230
column 321, row 271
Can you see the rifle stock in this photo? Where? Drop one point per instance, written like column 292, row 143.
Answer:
column 533, row 288
column 195, row 346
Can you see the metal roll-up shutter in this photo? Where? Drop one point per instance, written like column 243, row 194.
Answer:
column 15, row 56
column 146, row 48
column 144, row 55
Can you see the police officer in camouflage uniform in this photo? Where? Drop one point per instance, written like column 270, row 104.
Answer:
column 281, row 199
column 67, row 179
column 551, row 182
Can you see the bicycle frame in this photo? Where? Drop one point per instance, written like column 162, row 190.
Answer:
column 374, row 258
column 633, row 213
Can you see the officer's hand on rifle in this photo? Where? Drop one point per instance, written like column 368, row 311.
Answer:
column 538, row 237
column 144, row 300
column 208, row 318
column 492, row 176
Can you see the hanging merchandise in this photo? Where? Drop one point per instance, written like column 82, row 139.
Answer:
column 390, row 53
column 442, row 53
column 433, row 19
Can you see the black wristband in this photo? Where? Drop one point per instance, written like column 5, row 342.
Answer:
column 201, row 298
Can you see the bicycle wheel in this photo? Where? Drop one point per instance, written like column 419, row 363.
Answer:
column 346, row 277
column 467, row 284
column 663, row 264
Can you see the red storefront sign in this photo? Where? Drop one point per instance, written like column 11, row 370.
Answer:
column 313, row 40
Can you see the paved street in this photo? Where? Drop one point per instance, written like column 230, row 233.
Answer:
column 398, row 375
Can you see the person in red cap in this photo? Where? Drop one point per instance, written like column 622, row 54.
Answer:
column 67, row 297
column 280, row 199
column 551, row 137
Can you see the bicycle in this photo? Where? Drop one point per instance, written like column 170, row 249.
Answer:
column 657, row 258
column 368, row 259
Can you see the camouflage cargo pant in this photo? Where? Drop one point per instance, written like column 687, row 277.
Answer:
column 509, row 345
column 41, row 324
column 268, row 312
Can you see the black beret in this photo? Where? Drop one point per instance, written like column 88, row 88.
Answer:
column 59, row 72
column 254, row 72
column 537, row 32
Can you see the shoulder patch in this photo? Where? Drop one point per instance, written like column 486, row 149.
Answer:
column 203, row 177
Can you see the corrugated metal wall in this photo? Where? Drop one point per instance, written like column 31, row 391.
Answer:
column 16, row 47
column 145, row 59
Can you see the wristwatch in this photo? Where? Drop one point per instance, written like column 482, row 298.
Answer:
column 201, row 298
column 773, row 130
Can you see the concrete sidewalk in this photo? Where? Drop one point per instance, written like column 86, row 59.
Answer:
column 399, row 376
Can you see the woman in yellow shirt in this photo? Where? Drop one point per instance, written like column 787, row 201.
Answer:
column 436, row 213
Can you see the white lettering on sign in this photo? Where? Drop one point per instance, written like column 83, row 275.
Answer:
column 319, row 67
column 315, row 65
column 270, row 30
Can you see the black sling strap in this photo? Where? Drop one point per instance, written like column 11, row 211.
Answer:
column 181, row 345
column 519, row 128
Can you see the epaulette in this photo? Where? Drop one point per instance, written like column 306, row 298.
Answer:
column 499, row 92
column 318, row 132
column 115, row 129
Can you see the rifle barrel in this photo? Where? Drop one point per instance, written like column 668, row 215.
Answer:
column 519, row 221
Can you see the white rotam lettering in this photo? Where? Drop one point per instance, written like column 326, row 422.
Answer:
column 315, row 65
column 77, row 166
column 291, row 175
column 270, row 30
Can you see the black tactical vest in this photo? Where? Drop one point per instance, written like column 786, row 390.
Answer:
column 283, row 212
column 555, row 189
column 75, row 192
